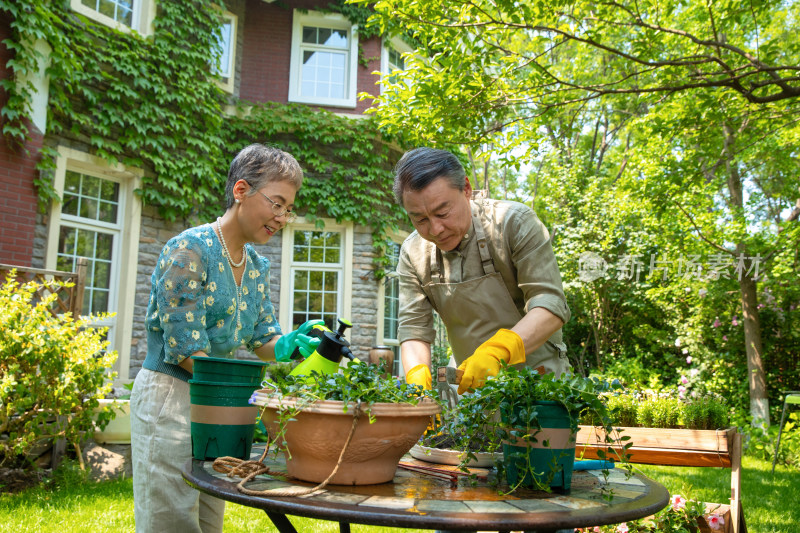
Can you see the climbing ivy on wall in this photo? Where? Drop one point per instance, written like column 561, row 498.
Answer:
column 151, row 102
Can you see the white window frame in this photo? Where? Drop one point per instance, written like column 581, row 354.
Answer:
column 126, row 247
column 288, row 266
column 323, row 20
column 144, row 12
column 227, row 83
column 399, row 46
column 380, row 334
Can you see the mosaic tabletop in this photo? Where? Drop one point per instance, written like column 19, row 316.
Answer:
column 419, row 500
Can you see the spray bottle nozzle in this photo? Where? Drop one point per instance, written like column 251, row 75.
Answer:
column 343, row 325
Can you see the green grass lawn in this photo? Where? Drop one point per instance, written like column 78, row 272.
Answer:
column 771, row 503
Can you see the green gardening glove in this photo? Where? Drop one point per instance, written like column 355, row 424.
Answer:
column 297, row 339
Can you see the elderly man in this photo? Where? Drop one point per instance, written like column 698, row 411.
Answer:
column 486, row 266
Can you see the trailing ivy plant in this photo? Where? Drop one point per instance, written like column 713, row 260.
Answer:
column 507, row 409
column 153, row 103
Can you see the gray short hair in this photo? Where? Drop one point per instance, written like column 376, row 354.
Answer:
column 258, row 165
column 419, row 167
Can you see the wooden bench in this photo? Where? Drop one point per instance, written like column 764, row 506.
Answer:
column 679, row 447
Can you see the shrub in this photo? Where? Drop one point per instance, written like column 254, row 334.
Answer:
column 623, row 409
column 659, row 411
column 760, row 442
column 52, row 371
column 705, row 412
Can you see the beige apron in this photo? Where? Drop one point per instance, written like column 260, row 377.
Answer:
column 474, row 310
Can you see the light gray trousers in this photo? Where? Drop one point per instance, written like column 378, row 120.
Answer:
column 160, row 446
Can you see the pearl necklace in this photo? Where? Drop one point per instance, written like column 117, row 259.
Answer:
column 225, row 248
column 239, row 295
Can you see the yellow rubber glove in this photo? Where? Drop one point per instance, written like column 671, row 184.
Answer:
column 505, row 345
column 420, row 375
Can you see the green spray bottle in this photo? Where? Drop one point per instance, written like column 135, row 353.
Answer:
column 329, row 353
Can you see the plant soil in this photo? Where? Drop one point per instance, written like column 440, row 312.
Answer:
column 13, row 480
column 446, row 441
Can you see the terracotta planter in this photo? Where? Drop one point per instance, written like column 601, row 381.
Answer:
column 316, row 436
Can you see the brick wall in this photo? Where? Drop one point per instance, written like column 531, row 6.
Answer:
column 18, row 198
column 266, row 55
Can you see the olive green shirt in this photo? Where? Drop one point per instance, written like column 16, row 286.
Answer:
column 521, row 251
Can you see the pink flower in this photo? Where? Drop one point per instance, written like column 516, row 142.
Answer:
column 725, row 338
column 717, row 323
column 596, row 529
column 681, row 389
column 715, row 521
column 735, row 320
column 622, row 528
column 684, row 380
column 689, row 360
column 678, row 502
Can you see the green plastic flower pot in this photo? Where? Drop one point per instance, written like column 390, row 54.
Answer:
column 220, row 370
column 222, row 420
column 548, row 457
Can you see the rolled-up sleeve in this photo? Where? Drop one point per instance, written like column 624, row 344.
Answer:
column 416, row 311
column 538, row 276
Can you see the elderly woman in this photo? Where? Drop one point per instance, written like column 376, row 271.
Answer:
column 209, row 296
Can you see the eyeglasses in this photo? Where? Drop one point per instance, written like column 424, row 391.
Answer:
column 279, row 209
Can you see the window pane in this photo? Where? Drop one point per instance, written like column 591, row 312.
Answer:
column 338, row 38
column 323, row 74
column 72, row 184
column 225, row 42
column 315, row 302
column 331, row 281
column 102, row 274
column 99, row 301
column 323, row 35
column 301, row 280
column 107, row 212
column 91, row 198
column 301, row 301
column 119, row 10
column 317, row 246
column 309, row 34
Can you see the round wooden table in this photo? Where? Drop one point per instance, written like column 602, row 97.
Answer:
column 419, row 500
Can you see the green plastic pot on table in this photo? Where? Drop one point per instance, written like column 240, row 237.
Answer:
column 222, row 420
column 551, row 456
column 221, row 370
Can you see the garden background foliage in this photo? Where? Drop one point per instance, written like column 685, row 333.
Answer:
column 53, row 369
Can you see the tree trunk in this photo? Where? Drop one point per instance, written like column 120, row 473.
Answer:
column 756, row 377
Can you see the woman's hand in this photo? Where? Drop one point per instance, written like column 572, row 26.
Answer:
column 298, row 338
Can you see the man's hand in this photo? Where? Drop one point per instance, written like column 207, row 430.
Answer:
column 420, row 375
column 299, row 339
column 504, row 346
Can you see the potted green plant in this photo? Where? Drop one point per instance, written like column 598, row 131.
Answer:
column 349, row 428
column 533, row 419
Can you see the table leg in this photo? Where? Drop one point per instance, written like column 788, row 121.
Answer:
column 344, row 527
column 281, row 522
